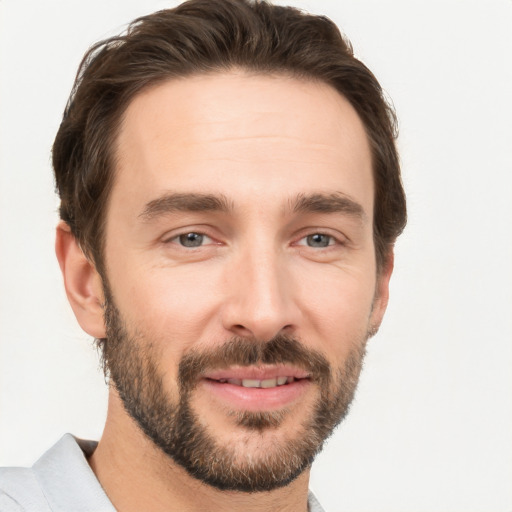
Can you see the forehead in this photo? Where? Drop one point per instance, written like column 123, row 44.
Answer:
column 223, row 132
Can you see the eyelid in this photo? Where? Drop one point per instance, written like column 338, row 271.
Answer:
column 304, row 238
column 338, row 237
column 172, row 237
column 205, row 239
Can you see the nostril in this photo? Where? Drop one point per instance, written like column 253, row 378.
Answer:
column 241, row 330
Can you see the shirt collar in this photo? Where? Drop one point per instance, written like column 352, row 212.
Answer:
column 68, row 481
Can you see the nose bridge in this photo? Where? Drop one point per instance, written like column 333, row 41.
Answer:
column 261, row 303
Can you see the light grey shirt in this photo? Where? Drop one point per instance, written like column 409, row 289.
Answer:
column 62, row 481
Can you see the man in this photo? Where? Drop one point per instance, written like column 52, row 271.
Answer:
column 230, row 196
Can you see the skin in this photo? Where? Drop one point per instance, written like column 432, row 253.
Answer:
column 259, row 143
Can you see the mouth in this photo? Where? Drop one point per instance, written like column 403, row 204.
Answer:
column 257, row 389
column 258, row 383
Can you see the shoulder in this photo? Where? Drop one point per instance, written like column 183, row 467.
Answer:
column 61, row 480
column 20, row 491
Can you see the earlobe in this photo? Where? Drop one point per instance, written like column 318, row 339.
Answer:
column 82, row 282
column 381, row 299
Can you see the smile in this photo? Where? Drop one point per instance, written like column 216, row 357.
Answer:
column 256, row 383
column 257, row 389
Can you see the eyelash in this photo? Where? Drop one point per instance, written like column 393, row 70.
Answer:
column 331, row 240
column 180, row 239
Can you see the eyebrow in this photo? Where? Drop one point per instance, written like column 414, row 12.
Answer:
column 336, row 202
column 190, row 202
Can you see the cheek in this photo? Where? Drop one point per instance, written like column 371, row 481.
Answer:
column 171, row 303
column 169, row 309
column 337, row 305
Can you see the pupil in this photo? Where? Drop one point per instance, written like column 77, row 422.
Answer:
column 318, row 240
column 191, row 240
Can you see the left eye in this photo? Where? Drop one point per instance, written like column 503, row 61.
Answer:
column 317, row 240
column 192, row 239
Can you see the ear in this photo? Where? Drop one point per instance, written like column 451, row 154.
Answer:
column 82, row 282
column 380, row 301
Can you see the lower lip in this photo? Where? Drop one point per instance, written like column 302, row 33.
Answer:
column 257, row 399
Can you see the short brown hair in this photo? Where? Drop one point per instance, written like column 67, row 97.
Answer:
column 202, row 36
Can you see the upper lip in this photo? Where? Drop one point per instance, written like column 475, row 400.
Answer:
column 256, row 373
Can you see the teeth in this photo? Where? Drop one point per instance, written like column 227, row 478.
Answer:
column 269, row 383
column 255, row 383
column 250, row 383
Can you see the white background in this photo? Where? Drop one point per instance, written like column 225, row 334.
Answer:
column 431, row 426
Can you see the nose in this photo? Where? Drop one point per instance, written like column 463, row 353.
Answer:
column 260, row 300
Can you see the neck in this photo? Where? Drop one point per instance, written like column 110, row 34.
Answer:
column 136, row 475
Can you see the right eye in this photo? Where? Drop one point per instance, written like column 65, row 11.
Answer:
column 191, row 239
column 318, row 240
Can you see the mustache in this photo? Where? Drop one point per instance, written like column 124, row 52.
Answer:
column 238, row 351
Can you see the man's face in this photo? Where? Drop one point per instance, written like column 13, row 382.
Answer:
column 241, row 271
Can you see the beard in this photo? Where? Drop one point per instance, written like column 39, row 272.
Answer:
column 172, row 424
